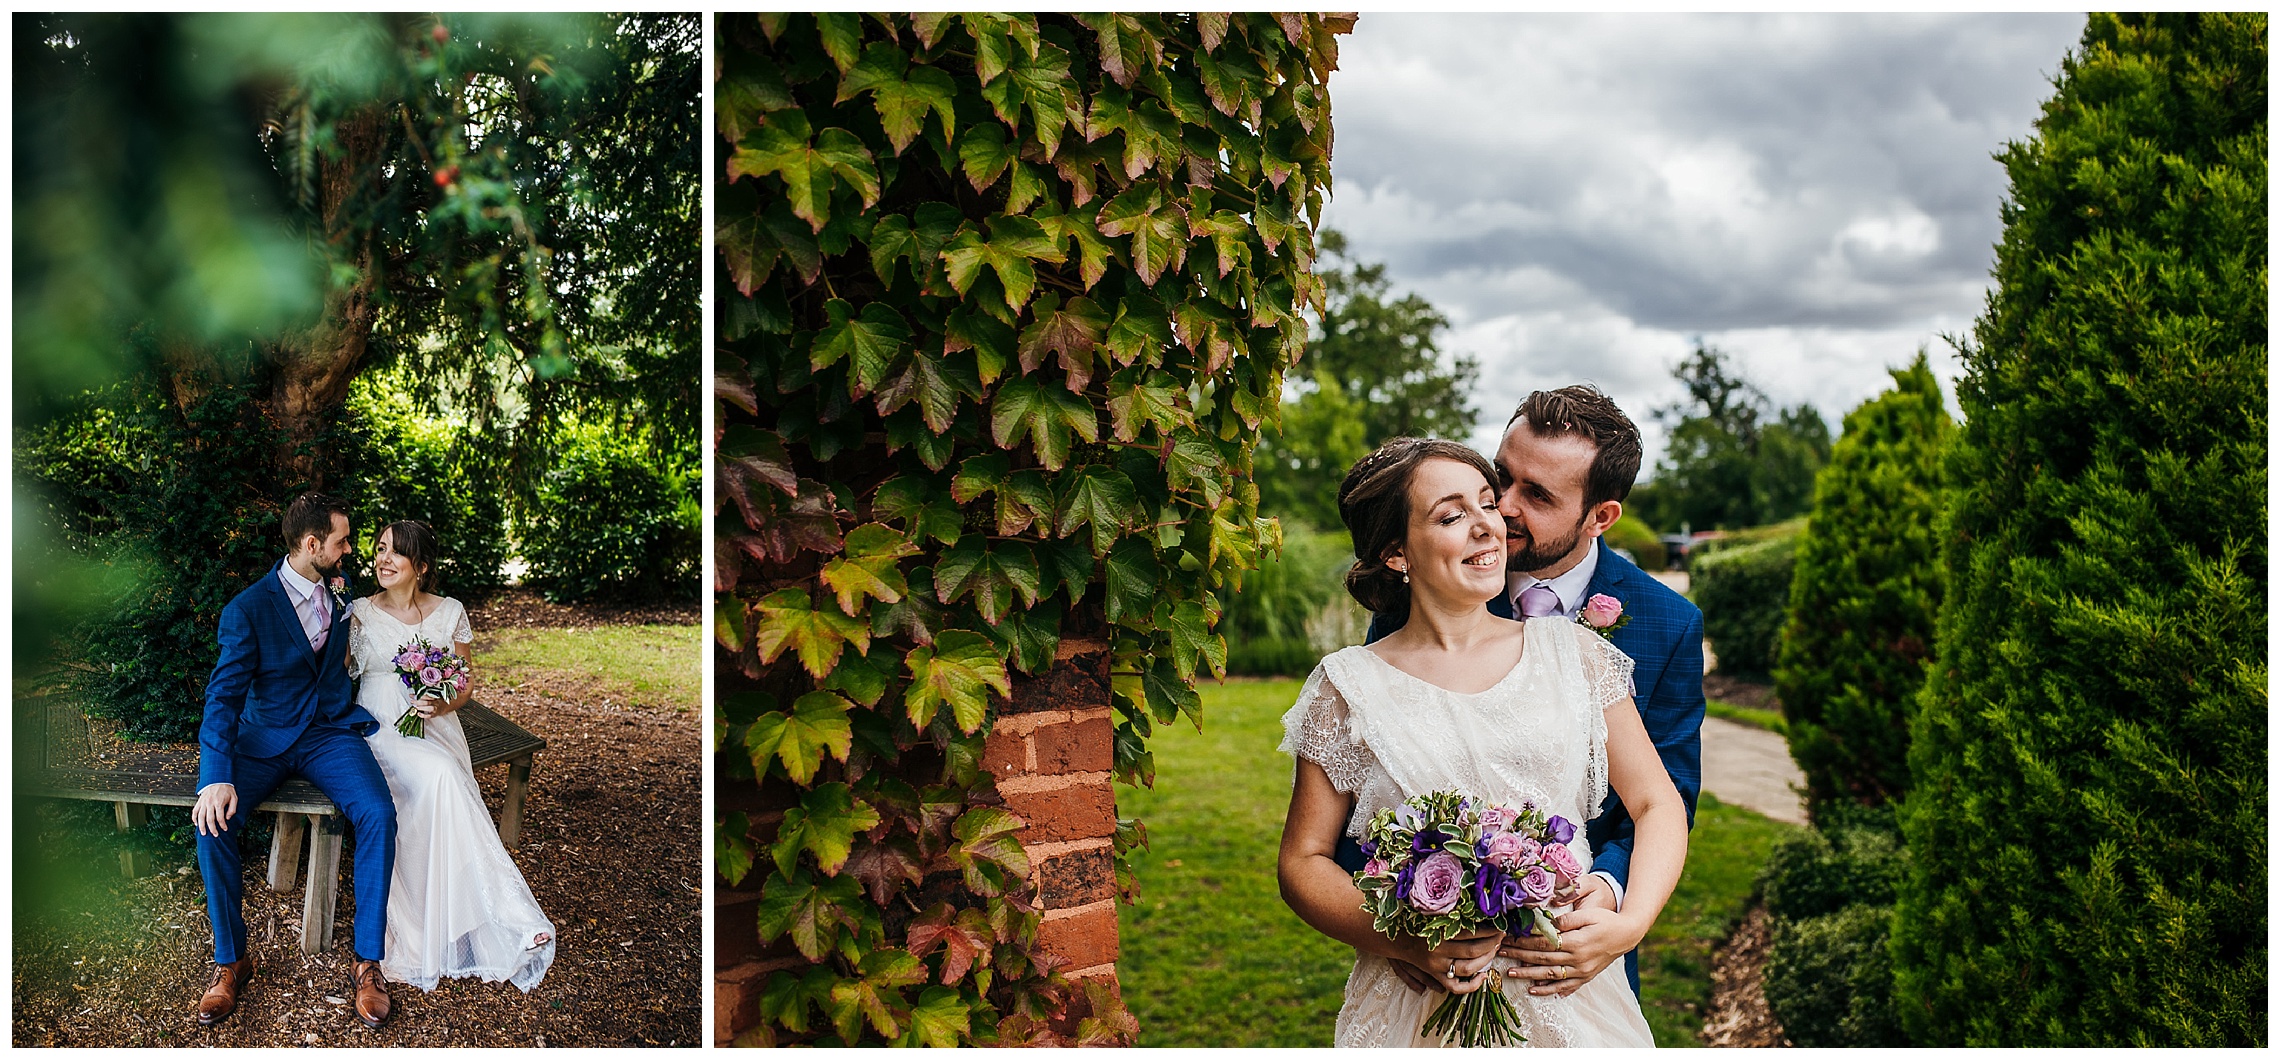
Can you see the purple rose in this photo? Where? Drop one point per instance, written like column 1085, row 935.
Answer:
column 1559, row 829
column 1537, row 886
column 1509, row 850
column 1561, row 859
column 1439, row 883
column 431, row 676
column 409, row 660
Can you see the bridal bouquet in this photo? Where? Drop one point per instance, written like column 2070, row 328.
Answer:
column 1443, row 865
column 427, row 672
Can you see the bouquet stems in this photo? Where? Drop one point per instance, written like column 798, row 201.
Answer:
column 411, row 724
column 1484, row 1017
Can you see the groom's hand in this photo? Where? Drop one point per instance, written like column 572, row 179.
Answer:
column 214, row 808
column 1591, row 940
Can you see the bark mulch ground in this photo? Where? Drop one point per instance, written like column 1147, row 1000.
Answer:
column 611, row 834
column 1739, row 1017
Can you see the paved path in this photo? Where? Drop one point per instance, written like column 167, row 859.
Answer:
column 1748, row 766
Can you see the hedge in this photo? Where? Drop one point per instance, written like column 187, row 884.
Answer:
column 610, row 523
column 1743, row 592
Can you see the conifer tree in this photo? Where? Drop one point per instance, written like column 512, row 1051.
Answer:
column 1862, row 600
column 2086, row 819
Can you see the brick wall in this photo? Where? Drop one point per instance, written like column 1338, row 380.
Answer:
column 1051, row 750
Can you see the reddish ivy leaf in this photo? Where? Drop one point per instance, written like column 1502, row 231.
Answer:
column 1070, row 331
column 963, row 936
column 883, row 868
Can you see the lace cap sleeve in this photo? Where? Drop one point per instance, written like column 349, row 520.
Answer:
column 461, row 633
column 1606, row 670
column 1319, row 728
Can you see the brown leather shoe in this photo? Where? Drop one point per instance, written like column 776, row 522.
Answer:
column 371, row 990
column 222, row 995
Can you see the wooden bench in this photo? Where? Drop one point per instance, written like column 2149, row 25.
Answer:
column 135, row 777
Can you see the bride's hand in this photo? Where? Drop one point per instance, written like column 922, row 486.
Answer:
column 1460, row 965
column 432, row 709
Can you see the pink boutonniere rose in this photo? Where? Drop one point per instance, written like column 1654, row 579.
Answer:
column 1602, row 614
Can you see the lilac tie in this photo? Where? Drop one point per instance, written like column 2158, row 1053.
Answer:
column 1539, row 601
column 324, row 620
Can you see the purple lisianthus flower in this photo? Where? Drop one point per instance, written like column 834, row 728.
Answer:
column 1427, row 841
column 1439, row 883
column 1404, row 880
column 1495, row 891
column 1369, row 848
column 1538, row 886
column 1560, row 829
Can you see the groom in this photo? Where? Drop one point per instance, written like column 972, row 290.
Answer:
column 1567, row 460
column 280, row 702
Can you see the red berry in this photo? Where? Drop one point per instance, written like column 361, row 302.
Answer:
column 440, row 34
column 445, row 176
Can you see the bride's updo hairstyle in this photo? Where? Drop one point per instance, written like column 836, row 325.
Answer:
column 1374, row 503
column 413, row 540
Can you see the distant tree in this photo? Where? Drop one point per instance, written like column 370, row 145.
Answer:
column 1372, row 371
column 1732, row 460
column 2087, row 816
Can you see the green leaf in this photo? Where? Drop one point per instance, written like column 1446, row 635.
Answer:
column 992, row 574
column 984, row 154
column 978, row 475
column 1101, row 498
column 934, row 385
column 1141, row 330
column 940, row 1019
column 910, row 501
column 1132, row 573
column 986, row 851
column 783, row 148
column 954, row 673
column 1127, row 48
column 1032, row 637
column 1066, row 563
column 902, row 102
column 991, row 340
column 786, row 998
column 870, row 342
column 1137, row 401
column 868, row 567
column 842, row 33
column 876, row 995
column 1158, row 229
column 1039, row 84
column 1069, row 331
column 810, row 913
column 789, row 619
column 1171, row 692
column 732, row 848
column 1190, row 630
column 823, row 824
column 915, row 616
column 1194, row 465
column 1046, row 416
column 750, row 88
column 816, row 726
column 861, row 677
column 754, row 239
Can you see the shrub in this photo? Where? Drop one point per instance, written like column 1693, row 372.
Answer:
column 410, row 469
column 2087, row 806
column 1640, row 540
column 1818, row 872
column 610, row 524
column 1294, row 608
column 1862, row 600
column 1828, row 979
column 1742, row 591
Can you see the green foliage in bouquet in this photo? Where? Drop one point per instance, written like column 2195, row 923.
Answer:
column 1744, row 593
column 1864, row 593
column 2087, row 812
column 1006, row 304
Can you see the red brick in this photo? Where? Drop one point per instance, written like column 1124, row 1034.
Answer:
column 1076, row 879
column 1075, row 747
column 1079, row 811
column 1006, row 754
column 736, row 1001
column 1083, row 940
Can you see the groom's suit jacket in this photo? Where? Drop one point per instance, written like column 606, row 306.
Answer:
column 1664, row 641
column 269, row 686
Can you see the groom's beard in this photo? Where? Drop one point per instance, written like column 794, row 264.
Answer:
column 1534, row 555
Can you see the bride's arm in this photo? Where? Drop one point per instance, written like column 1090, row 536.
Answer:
column 1324, row 895
column 1592, row 939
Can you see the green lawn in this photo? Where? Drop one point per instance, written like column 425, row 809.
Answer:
column 1212, row 957
column 656, row 666
column 1770, row 720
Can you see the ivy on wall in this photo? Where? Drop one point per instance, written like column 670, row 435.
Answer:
column 1006, row 303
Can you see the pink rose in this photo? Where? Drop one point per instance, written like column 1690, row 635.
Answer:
column 431, row 676
column 1497, row 819
column 1439, row 883
column 1510, row 850
column 1601, row 611
column 1560, row 859
column 1538, row 886
column 410, row 659
column 1374, row 867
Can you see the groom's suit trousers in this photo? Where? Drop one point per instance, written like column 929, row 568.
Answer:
column 339, row 763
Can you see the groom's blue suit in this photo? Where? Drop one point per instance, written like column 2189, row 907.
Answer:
column 276, row 707
column 1664, row 641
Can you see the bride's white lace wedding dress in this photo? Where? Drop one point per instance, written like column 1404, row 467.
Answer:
column 1539, row 734
column 457, row 905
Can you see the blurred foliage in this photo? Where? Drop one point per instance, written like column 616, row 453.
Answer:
column 2087, row 815
column 1371, row 372
column 1828, row 977
column 1731, row 460
column 409, row 468
column 1294, row 608
column 1633, row 535
column 1743, row 591
column 1864, row 594
column 611, row 524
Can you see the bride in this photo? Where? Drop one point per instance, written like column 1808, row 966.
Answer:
column 457, row 906
column 1461, row 699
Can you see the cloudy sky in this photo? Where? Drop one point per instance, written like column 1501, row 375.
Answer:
column 1586, row 196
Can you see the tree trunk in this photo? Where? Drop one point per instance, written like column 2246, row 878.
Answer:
column 315, row 365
